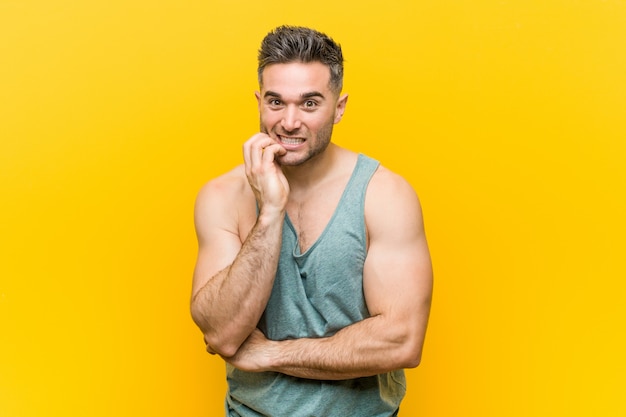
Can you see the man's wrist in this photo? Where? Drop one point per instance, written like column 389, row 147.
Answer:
column 268, row 216
column 275, row 357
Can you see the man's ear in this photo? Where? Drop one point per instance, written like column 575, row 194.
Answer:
column 258, row 99
column 341, row 107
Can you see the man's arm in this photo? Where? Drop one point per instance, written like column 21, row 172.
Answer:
column 397, row 285
column 233, row 280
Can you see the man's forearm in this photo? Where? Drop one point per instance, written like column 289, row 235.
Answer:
column 228, row 307
column 366, row 348
column 369, row 347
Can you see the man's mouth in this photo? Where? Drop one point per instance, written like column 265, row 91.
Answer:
column 290, row 141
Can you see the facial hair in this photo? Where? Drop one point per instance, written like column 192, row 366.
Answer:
column 317, row 145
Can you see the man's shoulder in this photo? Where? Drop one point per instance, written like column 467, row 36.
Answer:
column 392, row 207
column 229, row 181
column 388, row 189
column 390, row 183
column 230, row 185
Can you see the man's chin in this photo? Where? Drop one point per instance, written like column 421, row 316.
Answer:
column 290, row 159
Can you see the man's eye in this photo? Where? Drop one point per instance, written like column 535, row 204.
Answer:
column 309, row 104
column 275, row 102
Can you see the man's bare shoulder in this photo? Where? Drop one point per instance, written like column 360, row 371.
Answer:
column 230, row 185
column 226, row 201
column 389, row 186
column 390, row 197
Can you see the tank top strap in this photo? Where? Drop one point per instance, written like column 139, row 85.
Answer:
column 352, row 203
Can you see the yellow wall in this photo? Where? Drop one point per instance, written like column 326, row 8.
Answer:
column 508, row 117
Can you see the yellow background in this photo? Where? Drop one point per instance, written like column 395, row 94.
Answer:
column 507, row 116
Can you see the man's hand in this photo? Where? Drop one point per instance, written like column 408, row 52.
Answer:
column 254, row 355
column 238, row 250
column 265, row 176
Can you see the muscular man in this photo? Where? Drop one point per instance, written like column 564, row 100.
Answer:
column 313, row 279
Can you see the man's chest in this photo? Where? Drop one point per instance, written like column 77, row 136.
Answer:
column 311, row 214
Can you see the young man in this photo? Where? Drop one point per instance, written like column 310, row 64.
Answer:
column 313, row 279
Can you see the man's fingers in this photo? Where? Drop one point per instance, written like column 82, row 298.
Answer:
column 254, row 148
column 269, row 152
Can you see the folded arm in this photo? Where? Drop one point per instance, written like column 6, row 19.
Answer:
column 238, row 250
column 397, row 286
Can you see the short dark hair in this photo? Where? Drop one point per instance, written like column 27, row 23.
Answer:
column 287, row 44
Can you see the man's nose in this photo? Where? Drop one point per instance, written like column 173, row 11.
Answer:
column 291, row 119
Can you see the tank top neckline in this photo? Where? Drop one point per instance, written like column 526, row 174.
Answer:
column 296, row 250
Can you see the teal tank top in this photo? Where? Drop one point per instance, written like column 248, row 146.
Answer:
column 315, row 294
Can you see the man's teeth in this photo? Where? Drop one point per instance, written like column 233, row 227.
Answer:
column 291, row 141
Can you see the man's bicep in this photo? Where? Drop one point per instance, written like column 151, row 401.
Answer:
column 218, row 239
column 397, row 279
column 398, row 271
column 213, row 257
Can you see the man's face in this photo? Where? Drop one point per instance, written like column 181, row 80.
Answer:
column 298, row 110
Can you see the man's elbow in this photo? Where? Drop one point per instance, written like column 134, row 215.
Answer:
column 412, row 359
column 410, row 353
column 220, row 346
column 215, row 341
column 220, row 342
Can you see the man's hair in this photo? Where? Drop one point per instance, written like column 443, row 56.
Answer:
column 287, row 44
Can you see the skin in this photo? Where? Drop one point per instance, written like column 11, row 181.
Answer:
column 292, row 168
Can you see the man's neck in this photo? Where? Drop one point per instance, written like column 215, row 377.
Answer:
column 314, row 171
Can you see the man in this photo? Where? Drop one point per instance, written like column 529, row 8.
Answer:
column 313, row 279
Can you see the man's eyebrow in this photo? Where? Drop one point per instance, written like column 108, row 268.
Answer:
column 310, row 94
